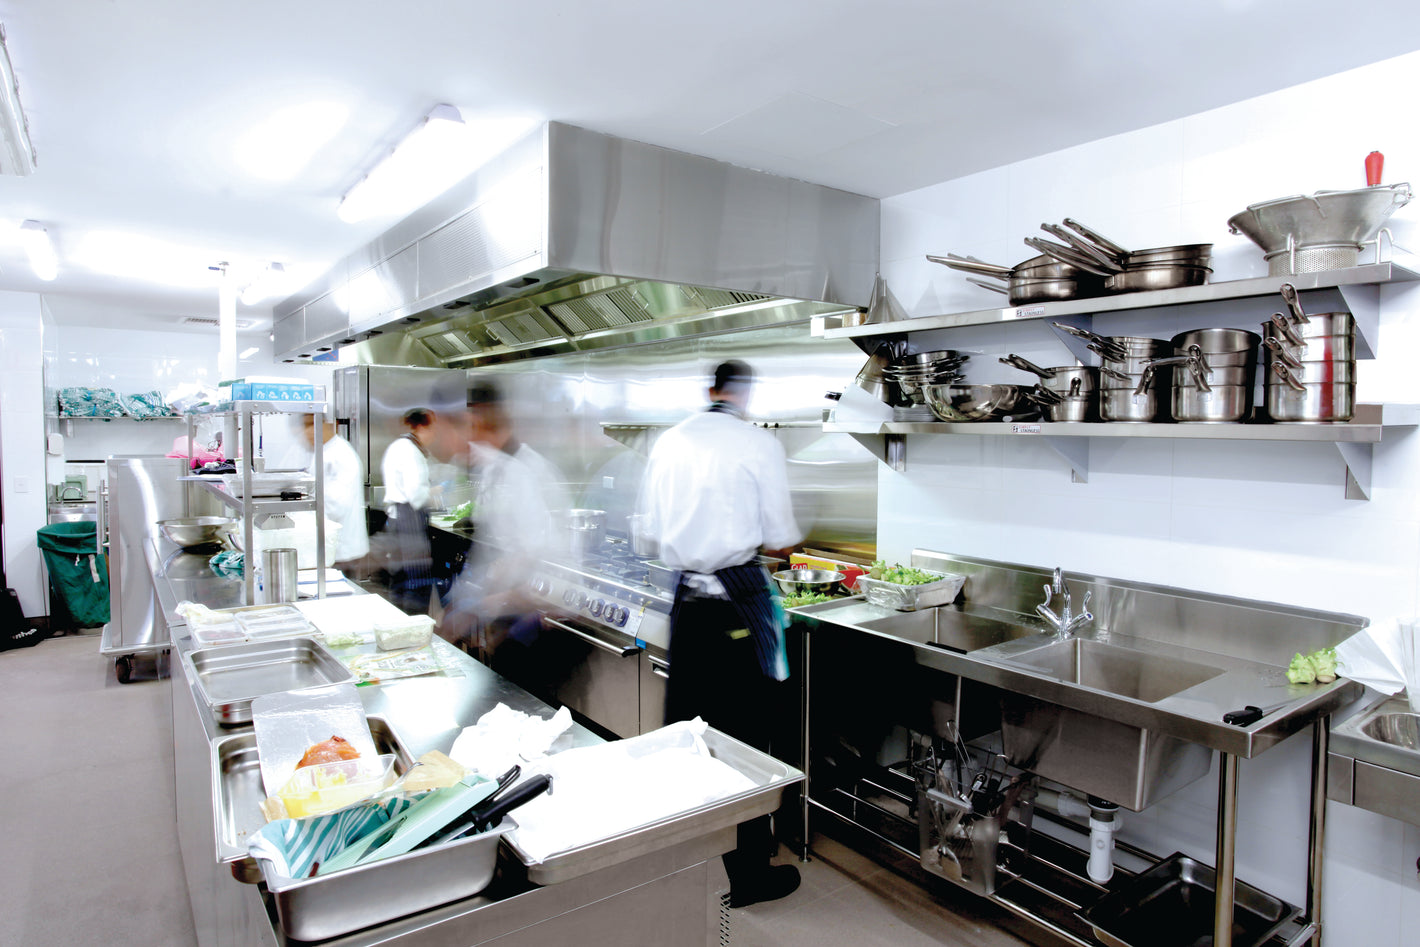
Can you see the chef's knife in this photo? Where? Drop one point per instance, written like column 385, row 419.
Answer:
column 462, row 823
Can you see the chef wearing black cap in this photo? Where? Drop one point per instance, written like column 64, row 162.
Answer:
column 716, row 492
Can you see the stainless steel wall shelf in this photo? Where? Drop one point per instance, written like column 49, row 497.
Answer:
column 1358, row 284
column 1353, row 440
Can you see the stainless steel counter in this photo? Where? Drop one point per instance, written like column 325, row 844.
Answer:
column 670, row 895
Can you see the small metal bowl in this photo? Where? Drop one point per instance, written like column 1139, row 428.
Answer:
column 799, row 581
column 198, row 532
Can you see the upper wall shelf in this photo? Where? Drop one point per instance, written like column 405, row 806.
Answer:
column 1348, row 279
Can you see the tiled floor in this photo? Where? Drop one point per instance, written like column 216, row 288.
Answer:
column 90, row 853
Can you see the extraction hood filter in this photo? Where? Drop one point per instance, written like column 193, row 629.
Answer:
column 574, row 240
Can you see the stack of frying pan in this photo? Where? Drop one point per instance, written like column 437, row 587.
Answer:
column 1087, row 264
column 1126, row 271
column 912, row 373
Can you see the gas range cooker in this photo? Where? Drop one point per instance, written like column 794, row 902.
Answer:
column 609, row 589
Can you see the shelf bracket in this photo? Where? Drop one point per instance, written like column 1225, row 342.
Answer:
column 1364, row 302
column 1075, row 451
column 1358, row 458
column 1074, row 343
column 891, row 449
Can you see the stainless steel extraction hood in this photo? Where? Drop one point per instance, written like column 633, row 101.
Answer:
column 575, row 240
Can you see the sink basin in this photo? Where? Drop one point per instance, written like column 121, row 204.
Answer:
column 948, row 628
column 1124, row 671
column 1402, row 730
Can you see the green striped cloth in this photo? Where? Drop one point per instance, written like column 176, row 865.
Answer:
column 297, row 847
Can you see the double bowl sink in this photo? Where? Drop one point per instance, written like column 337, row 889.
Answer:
column 1082, row 725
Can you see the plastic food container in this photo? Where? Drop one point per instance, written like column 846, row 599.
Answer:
column 217, row 633
column 325, row 787
column 910, row 598
column 414, row 631
column 274, row 622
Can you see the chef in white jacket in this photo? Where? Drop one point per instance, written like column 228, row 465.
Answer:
column 404, row 545
column 344, row 485
column 716, row 492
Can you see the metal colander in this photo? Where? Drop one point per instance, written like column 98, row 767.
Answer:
column 1312, row 259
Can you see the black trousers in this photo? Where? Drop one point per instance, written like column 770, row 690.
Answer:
column 715, row 675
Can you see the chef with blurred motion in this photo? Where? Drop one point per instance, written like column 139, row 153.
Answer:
column 405, row 469
column 515, row 490
column 716, row 492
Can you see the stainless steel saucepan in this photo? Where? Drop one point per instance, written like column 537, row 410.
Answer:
column 1060, row 378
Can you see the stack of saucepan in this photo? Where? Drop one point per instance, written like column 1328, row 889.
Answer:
column 1214, row 371
column 1127, row 390
column 912, row 373
column 1064, row 393
column 1039, row 279
column 1311, row 364
column 1125, row 271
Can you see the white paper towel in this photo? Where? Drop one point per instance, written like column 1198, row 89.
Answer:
column 1383, row 657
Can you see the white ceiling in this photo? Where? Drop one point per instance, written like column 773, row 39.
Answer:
column 135, row 105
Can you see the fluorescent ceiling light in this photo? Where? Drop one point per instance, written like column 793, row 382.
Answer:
column 271, row 281
column 40, row 249
column 443, row 150
column 281, row 145
column 248, row 353
column 17, row 152
column 140, row 257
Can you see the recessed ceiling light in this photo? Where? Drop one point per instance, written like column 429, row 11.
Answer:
column 283, row 143
column 443, row 150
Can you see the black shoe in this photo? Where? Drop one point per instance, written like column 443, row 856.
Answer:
column 776, row 882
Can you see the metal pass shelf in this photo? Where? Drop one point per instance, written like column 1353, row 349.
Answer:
column 257, row 512
column 1353, row 439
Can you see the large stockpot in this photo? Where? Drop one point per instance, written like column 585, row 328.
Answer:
column 1218, row 341
column 1310, row 403
column 1217, row 405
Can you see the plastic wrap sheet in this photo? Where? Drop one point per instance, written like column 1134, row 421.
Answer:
column 601, row 791
column 288, row 724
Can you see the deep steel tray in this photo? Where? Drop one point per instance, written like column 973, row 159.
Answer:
column 228, row 678
column 1171, row 905
column 770, row 778
column 237, row 792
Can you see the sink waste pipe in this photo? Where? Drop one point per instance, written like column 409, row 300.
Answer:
column 1103, row 824
column 1104, row 821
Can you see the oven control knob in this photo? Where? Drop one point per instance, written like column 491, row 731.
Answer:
column 568, row 597
column 621, row 615
column 596, row 608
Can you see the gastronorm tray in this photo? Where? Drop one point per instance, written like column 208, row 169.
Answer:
column 228, row 678
column 237, row 791
column 909, row 598
column 1171, row 905
column 326, row 906
column 770, row 778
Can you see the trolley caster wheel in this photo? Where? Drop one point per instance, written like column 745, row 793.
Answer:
column 123, row 669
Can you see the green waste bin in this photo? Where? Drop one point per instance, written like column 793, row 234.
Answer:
column 78, row 572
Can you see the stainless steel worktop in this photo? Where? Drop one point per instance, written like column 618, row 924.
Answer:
column 1194, row 715
column 668, row 894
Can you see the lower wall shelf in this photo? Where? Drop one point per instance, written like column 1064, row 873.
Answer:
column 1354, row 440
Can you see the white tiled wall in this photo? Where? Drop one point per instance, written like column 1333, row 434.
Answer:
column 21, row 445
column 1260, row 520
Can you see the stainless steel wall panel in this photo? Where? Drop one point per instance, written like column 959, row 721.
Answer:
column 289, row 333
column 326, row 321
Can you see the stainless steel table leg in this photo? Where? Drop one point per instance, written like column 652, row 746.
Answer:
column 1316, row 836
column 1227, row 841
column 804, row 728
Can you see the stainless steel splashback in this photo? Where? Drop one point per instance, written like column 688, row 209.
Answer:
column 573, row 240
column 594, row 414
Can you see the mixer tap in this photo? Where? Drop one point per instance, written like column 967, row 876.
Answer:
column 1066, row 623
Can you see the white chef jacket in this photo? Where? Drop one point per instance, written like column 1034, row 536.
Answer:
column 515, row 498
column 405, row 470
column 344, row 486
column 716, row 490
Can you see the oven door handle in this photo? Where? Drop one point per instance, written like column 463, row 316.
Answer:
column 661, row 669
column 624, row 651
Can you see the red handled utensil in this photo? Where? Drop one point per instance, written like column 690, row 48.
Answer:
column 1374, row 162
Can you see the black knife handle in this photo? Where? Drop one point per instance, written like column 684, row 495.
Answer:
column 522, row 793
column 1242, row 718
